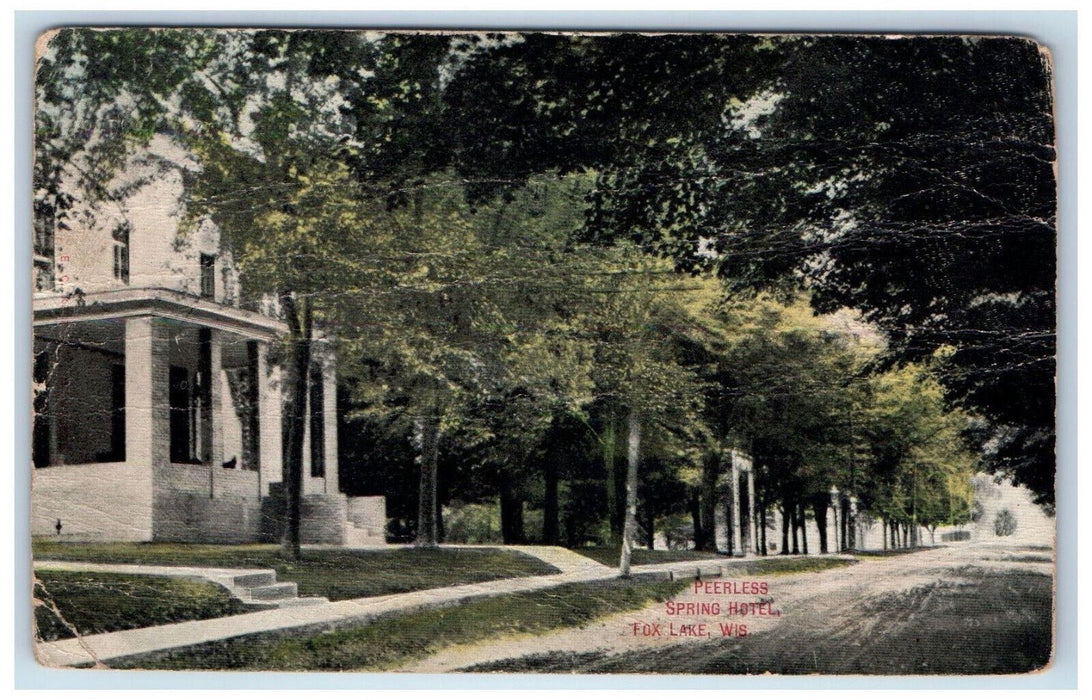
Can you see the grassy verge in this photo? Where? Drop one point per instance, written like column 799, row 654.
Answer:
column 91, row 603
column 775, row 566
column 884, row 553
column 392, row 641
column 609, row 555
column 334, row 574
column 770, row 565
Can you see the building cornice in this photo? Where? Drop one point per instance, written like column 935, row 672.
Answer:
column 51, row 309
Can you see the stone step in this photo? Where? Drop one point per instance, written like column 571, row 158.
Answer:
column 697, row 572
column 271, row 592
column 301, row 602
column 254, row 580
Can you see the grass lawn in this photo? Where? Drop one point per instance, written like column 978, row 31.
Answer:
column 99, row 602
column 391, row 641
column 334, row 574
column 776, row 566
column 609, row 555
column 771, row 565
column 882, row 553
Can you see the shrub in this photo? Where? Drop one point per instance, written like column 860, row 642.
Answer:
column 1005, row 523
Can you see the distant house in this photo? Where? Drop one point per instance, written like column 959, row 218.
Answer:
column 158, row 412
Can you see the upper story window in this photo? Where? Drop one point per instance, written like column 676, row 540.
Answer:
column 208, row 276
column 121, row 252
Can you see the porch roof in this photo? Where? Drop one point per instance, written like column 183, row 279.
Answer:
column 53, row 309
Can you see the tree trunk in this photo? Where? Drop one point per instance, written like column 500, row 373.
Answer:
column 762, row 531
column 803, row 527
column 695, row 515
column 441, row 532
column 785, row 522
column 428, row 429
column 633, row 454
column 844, row 511
column 729, row 527
column 551, row 511
column 885, row 535
column 298, row 317
column 511, row 511
column 820, row 504
column 794, row 520
column 650, row 531
column 710, row 470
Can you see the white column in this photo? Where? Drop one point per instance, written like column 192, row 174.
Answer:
column 216, row 408
column 736, row 519
column 147, row 401
column 834, row 543
column 329, row 421
column 752, row 530
column 305, row 466
column 269, row 421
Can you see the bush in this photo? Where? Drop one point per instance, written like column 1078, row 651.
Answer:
column 1005, row 523
column 472, row 523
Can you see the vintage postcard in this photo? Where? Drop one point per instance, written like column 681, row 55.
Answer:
column 543, row 352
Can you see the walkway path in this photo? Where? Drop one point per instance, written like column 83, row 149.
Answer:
column 99, row 648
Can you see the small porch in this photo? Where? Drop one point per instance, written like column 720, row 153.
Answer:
column 157, row 417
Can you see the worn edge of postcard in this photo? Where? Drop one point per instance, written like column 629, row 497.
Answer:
column 191, row 314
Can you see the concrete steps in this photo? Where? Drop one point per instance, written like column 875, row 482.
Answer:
column 273, row 592
column 250, row 586
column 260, row 587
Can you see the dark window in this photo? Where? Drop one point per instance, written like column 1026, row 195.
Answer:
column 252, row 443
column 117, row 413
column 179, row 396
column 121, row 252
column 208, row 276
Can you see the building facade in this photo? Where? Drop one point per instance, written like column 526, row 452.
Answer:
column 158, row 412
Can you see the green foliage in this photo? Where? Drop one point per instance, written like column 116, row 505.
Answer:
column 905, row 178
column 472, row 523
column 919, row 467
column 483, row 225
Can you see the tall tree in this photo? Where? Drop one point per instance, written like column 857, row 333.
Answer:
column 910, row 178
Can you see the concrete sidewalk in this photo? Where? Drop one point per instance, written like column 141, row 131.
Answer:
column 99, row 648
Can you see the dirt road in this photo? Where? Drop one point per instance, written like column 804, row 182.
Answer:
column 964, row 608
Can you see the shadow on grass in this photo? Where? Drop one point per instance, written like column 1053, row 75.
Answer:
column 609, row 556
